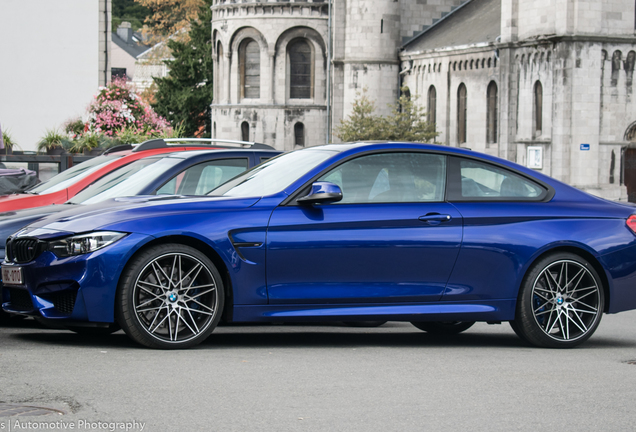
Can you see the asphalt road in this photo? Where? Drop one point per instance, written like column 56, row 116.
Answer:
column 321, row 378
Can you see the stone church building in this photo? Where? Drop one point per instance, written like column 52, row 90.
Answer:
column 545, row 83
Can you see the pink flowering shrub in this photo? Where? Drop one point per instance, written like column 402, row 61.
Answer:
column 117, row 107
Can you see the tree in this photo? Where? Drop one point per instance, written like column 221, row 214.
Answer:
column 170, row 17
column 184, row 96
column 362, row 124
column 129, row 10
column 407, row 121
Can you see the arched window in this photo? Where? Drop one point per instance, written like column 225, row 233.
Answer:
column 432, row 105
column 300, row 70
column 538, row 108
column 250, row 69
column 461, row 114
column 617, row 59
column 299, row 135
column 218, row 94
column 245, row 131
column 214, row 130
column 629, row 67
column 491, row 114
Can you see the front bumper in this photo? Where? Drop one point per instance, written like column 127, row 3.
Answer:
column 80, row 288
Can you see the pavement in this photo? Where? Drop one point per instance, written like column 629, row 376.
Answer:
column 319, row 378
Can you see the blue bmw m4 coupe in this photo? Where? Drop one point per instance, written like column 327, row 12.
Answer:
column 437, row 236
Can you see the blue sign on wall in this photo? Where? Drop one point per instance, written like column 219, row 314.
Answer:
column 585, row 147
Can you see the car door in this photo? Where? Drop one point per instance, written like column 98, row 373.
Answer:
column 506, row 219
column 392, row 238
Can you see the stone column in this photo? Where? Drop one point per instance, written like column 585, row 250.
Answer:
column 272, row 77
column 227, row 75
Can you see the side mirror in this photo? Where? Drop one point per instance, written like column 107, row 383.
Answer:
column 322, row 192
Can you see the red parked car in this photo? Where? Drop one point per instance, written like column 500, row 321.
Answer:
column 67, row 184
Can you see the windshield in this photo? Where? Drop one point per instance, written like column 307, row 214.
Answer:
column 72, row 175
column 126, row 181
column 273, row 175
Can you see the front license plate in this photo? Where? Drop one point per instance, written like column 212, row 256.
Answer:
column 12, row 275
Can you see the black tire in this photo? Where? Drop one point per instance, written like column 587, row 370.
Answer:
column 170, row 296
column 560, row 302
column 443, row 327
column 95, row 331
column 364, row 323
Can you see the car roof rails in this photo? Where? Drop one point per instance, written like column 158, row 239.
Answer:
column 200, row 142
column 118, row 148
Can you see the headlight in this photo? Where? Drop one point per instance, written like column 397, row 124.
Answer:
column 84, row 243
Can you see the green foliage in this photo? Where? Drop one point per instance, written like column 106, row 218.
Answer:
column 9, row 143
column 74, row 127
column 184, row 96
column 131, row 11
column 362, row 124
column 407, row 122
column 86, row 142
column 130, row 135
column 52, row 138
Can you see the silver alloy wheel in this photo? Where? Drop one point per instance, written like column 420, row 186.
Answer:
column 566, row 300
column 175, row 298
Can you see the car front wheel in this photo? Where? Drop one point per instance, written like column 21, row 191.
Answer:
column 561, row 302
column 170, row 296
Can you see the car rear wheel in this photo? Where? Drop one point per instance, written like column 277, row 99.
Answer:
column 444, row 327
column 561, row 302
column 170, row 296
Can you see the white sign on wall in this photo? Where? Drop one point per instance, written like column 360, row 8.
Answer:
column 535, row 157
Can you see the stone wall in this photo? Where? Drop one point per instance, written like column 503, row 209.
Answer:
column 272, row 115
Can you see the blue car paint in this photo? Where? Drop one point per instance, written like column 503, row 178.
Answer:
column 479, row 258
column 11, row 222
column 523, row 233
column 376, row 251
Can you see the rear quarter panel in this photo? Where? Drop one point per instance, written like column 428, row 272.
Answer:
column 501, row 241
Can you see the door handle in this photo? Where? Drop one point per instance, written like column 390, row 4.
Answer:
column 435, row 218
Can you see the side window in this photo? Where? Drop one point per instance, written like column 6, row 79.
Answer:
column 170, row 188
column 202, row 178
column 391, row 178
column 482, row 181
